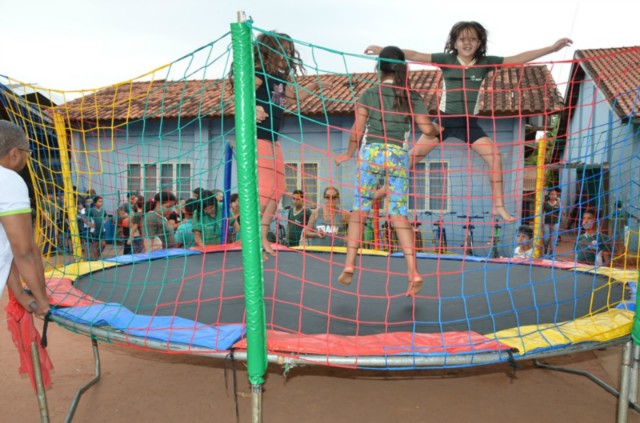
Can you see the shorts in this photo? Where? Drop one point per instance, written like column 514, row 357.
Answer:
column 464, row 128
column 386, row 164
column 271, row 183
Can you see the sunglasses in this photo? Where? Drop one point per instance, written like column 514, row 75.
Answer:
column 331, row 197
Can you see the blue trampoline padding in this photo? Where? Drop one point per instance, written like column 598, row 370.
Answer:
column 161, row 328
column 153, row 255
column 630, row 304
column 443, row 257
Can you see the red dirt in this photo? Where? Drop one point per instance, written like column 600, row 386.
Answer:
column 152, row 387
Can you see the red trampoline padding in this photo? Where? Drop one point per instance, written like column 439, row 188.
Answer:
column 63, row 294
column 398, row 343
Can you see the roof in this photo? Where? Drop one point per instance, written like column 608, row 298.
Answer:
column 616, row 71
column 511, row 91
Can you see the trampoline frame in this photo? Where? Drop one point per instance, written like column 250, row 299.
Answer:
column 628, row 382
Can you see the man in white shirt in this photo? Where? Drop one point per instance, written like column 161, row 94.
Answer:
column 19, row 254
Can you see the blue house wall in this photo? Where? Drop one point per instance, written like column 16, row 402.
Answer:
column 201, row 145
column 600, row 139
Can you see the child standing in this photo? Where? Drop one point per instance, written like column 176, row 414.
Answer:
column 384, row 115
column 551, row 224
column 278, row 64
column 466, row 47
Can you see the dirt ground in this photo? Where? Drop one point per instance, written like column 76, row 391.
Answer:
column 138, row 386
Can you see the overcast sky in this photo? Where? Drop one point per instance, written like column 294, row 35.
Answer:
column 75, row 44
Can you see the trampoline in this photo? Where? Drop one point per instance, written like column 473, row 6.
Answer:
column 470, row 310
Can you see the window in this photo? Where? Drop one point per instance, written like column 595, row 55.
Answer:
column 306, row 180
column 429, row 189
column 174, row 177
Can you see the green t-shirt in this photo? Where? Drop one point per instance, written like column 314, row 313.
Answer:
column 588, row 247
column 462, row 82
column 297, row 222
column 184, row 234
column 209, row 228
column 383, row 123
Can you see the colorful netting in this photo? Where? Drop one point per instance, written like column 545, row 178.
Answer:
column 172, row 130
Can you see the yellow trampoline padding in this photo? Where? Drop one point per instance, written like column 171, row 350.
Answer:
column 342, row 250
column 606, row 326
column 73, row 270
column 621, row 275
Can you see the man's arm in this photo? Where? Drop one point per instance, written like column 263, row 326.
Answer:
column 26, row 256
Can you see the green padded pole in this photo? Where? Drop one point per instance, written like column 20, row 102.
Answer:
column 247, row 174
column 635, row 331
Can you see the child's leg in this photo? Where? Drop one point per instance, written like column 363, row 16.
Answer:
column 490, row 154
column 423, row 147
column 271, row 185
column 354, row 234
column 407, row 243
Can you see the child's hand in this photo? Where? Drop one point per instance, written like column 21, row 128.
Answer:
column 561, row 43
column 261, row 114
column 372, row 50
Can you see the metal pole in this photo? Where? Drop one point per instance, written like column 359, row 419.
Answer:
column 41, row 395
column 623, row 399
column 83, row 389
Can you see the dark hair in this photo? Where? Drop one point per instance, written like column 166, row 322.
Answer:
column 198, row 191
column 391, row 61
column 269, row 48
column 191, row 205
column 208, row 199
column 164, row 196
column 96, row 198
column 458, row 29
column 556, row 189
column 526, row 230
column 233, row 197
column 298, row 192
column 591, row 212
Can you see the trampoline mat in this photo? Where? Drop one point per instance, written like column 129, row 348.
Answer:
column 303, row 295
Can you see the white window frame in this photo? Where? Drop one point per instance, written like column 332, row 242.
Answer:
column 426, row 176
column 311, row 199
column 149, row 193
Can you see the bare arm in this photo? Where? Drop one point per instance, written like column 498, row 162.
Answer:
column 427, row 127
column 412, row 55
column 197, row 236
column 528, row 56
column 308, row 231
column 26, row 257
column 357, row 131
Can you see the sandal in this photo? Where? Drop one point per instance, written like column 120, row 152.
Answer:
column 346, row 277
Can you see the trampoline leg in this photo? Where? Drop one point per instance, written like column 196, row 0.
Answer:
column 633, row 386
column 256, row 403
column 83, row 389
column 594, row 379
column 42, row 396
column 625, row 369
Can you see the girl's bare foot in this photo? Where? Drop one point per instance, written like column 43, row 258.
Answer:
column 267, row 251
column 415, row 286
column 346, row 277
column 502, row 212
